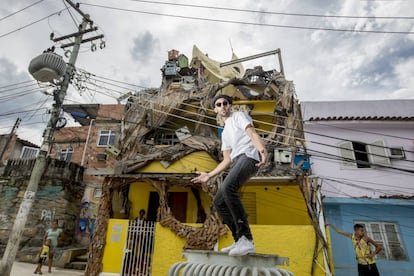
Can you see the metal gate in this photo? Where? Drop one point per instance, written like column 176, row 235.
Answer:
column 139, row 248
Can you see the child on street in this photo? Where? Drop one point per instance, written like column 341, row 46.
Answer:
column 43, row 254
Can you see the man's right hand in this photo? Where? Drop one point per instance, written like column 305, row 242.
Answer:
column 203, row 177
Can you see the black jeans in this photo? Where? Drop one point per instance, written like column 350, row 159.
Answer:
column 227, row 200
column 368, row 270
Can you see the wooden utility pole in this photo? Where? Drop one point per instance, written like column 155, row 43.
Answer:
column 41, row 162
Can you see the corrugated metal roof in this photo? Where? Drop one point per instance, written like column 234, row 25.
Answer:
column 378, row 110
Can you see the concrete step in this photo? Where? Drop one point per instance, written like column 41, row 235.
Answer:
column 81, row 258
column 76, row 265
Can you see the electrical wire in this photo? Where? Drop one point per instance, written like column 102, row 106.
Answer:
column 249, row 23
column 273, row 12
column 324, row 144
column 77, row 23
column 15, row 84
column 32, row 23
column 15, row 88
column 324, row 154
column 31, row 5
column 302, row 121
column 358, row 130
column 314, row 152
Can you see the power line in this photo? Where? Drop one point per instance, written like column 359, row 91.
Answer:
column 32, row 23
column 31, row 5
column 365, row 187
column 363, row 131
column 325, row 155
column 262, row 122
column 302, row 121
column 14, row 84
column 273, row 12
column 250, row 23
column 18, row 112
column 15, row 88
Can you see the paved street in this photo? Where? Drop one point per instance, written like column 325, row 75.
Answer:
column 23, row 269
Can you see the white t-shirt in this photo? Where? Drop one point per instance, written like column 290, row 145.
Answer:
column 235, row 138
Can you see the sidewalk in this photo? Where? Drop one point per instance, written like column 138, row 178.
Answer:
column 23, row 269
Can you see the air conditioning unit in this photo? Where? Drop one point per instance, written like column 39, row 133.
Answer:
column 183, row 133
column 397, row 153
column 283, row 155
column 101, row 156
column 110, row 149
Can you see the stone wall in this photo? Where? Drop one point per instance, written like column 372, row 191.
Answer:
column 58, row 196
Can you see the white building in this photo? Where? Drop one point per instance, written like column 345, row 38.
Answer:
column 361, row 148
column 362, row 154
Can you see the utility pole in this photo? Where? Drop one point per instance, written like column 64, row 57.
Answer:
column 41, row 160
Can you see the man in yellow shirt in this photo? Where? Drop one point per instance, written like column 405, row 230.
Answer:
column 364, row 255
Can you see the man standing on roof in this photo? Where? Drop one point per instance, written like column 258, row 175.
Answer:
column 244, row 152
column 363, row 253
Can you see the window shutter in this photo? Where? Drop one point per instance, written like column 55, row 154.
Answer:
column 377, row 153
column 346, row 151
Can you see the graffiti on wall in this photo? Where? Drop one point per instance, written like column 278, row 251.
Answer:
column 47, row 215
column 87, row 216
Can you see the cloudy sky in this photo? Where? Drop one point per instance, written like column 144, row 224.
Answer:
column 331, row 50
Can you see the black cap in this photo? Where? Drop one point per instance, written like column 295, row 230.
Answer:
column 221, row 96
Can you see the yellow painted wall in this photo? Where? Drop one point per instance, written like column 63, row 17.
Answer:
column 283, row 228
column 275, row 204
column 139, row 195
column 186, row 164
column 278, row 204
column 293, row 241
column 114, row 247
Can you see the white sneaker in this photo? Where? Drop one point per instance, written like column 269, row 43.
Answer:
column 228, row 248
column 242, row 247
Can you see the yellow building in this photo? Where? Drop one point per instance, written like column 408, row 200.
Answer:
column 170, row 134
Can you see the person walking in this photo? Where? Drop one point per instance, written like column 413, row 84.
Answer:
column 53, row 234
column 363, row 252
column 244, row 152
column 43, row 254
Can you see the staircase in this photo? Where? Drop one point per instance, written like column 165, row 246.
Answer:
column 78, row 262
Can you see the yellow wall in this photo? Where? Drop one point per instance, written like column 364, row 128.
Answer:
column 293, row 241
column 139, row 195
column 278, row 204
column 275, row 204
column 114, row 247
column 186, row 164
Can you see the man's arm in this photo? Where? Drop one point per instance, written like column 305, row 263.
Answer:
column 378, row 247
column 224, row 164
column 339, row 231
column 258, row 143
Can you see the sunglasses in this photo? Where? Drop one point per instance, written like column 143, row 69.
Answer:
column 224, row 104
